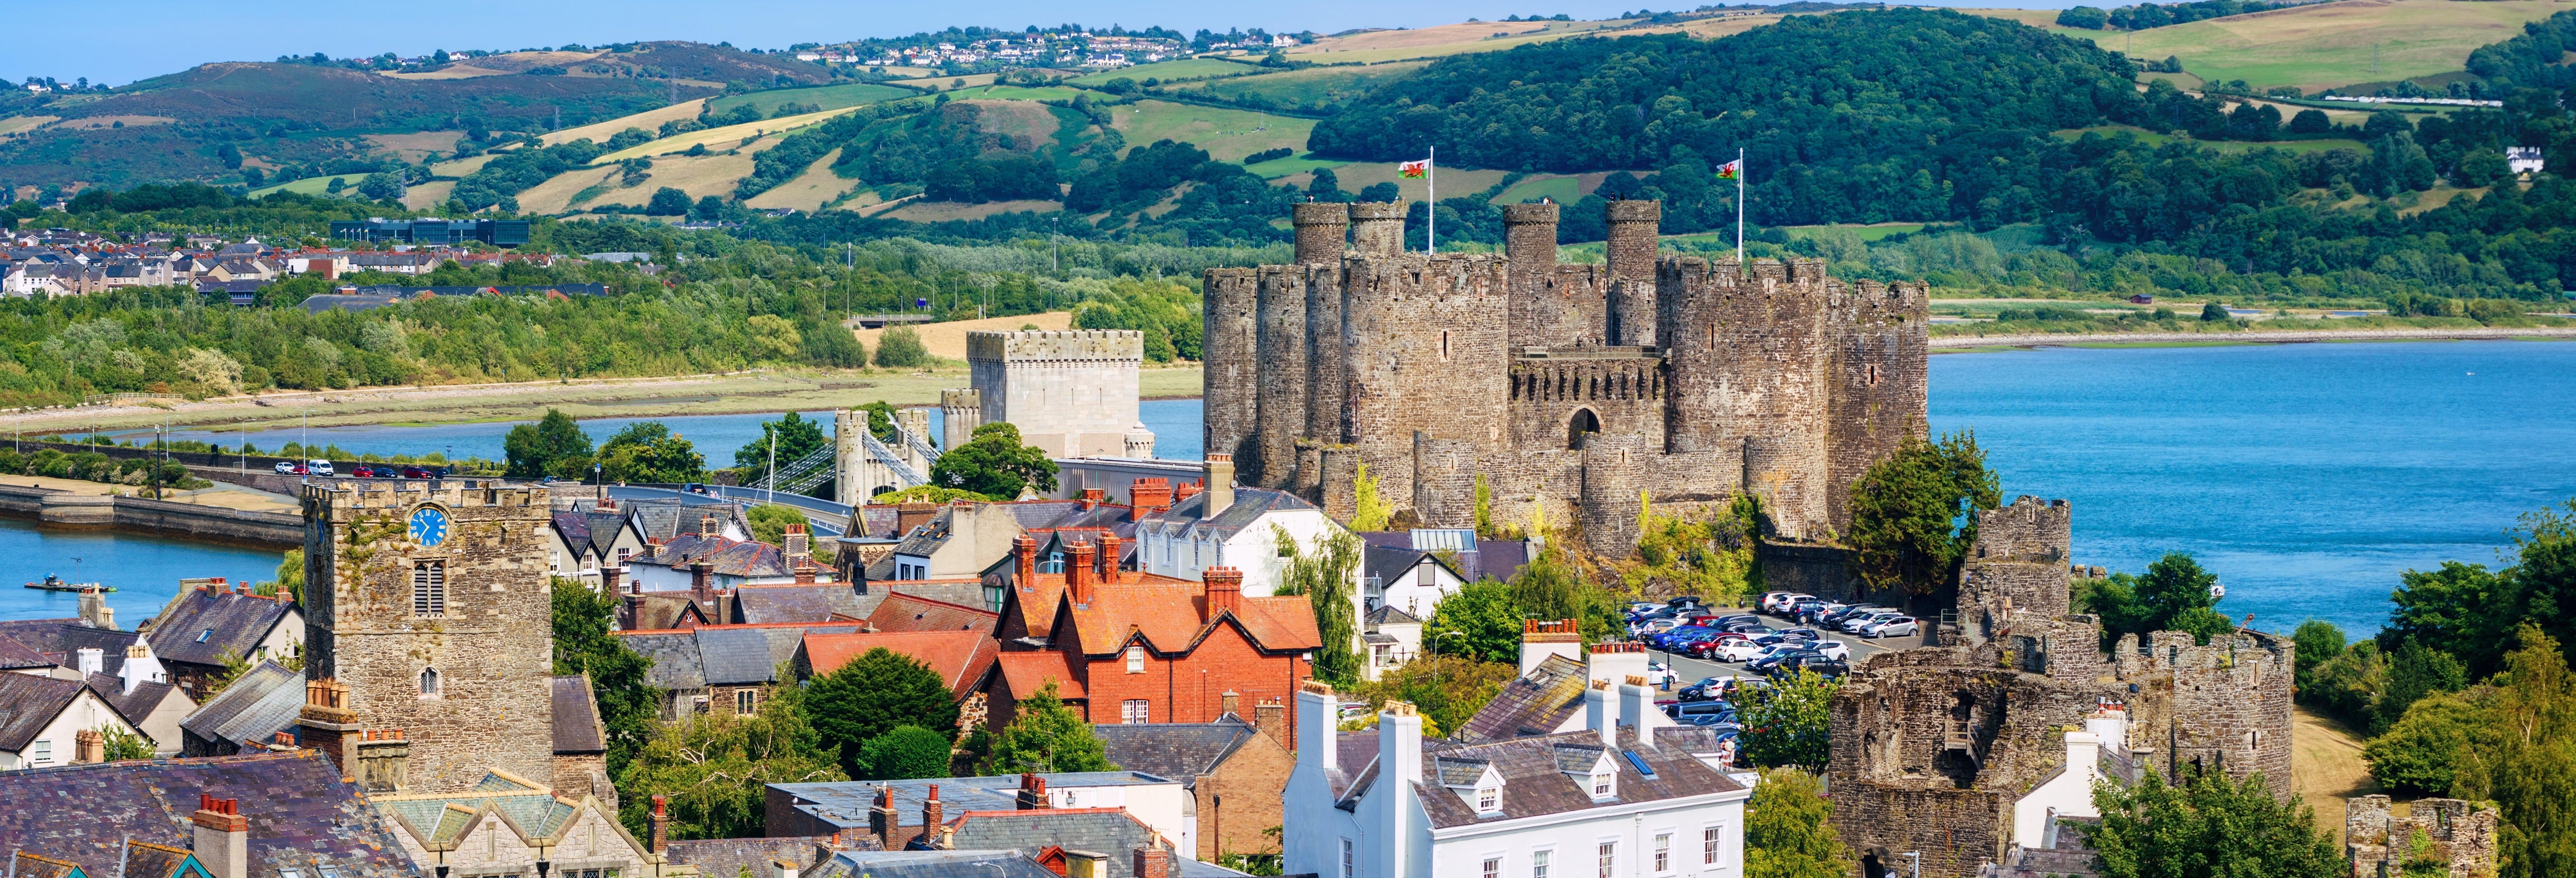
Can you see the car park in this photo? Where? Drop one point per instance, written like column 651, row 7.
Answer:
column 1854, row 623
column 1735, row 651
column 1703, row 647
column 1689, row 710
column 1894, row 626
column 1779, row 656
column 1704, row 690
column 1723, row 621
column 1824, row 667
column 1832, row 649
column 1779, row 601
column 1833, row 617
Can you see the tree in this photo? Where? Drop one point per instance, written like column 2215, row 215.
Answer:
column 553, row 446
column 290, row 577
column 1788, row 832
column 1448, row 690
column 2318, row 641
column 881, row 420
column 769, row 522
column 583, row 616
column 2213, row 312
column 1791, row 723
column 648, row 452
column 873, row 694
column 1323, row 572
column 123, row 745
column 792, row 436
column 2173, row 595
column 2086, row 17
column 667, row 202
column 900, row 348
column 1047, row 736
column 994, row 463
column 1479, row 622
column 2310, row 122
column 2208, row 825
column 2528, row 767
column 1369, row 511
column 1914, row 513
column 905, row 752
column 1548, row 587
column 2420, row 754
column 2413, row 673
column 715, row 768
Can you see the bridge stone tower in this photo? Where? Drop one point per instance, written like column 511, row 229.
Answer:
column 428, row 610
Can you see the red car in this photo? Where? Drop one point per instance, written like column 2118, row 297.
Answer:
column 363, row 471
column 1704, row 647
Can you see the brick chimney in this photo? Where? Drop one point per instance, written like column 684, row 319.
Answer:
column 1224, row 590
column 89, row 746
column 384, row 760
column 223, row 837
column 1032, row 794
column 1187, row 490
column 1092, row 498
column 609, row 574
column 931, row 821
column 1025, row 549
column 882, row 819
column 805, row 573
column 1271, row 717
column 1148, row 496
column 329, row 725
column 708, row 528
column 912, row 515
column 1233, row 702
column 1077, row 573
column 1153, row 862
column 94, row 611
column 1220, row 485
column 702, row 586
column 798, row 545
column 1108, row 569
column 660, row 835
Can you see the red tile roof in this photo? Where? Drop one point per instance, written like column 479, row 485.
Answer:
column 1027, row 672
column 907, row 612
column 960, row 656
column 1174, row 617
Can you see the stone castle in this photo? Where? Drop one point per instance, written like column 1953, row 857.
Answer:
column 1946, row 750
column 1584, row 388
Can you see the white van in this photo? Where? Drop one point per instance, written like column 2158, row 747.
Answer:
column 318, row 466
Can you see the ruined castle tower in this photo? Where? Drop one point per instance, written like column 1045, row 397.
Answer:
column 1583, row 388
column 427, row 607
column 1071, row 393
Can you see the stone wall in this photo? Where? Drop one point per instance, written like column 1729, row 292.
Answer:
column 1426, row 351
column 2460, row 833
column 1231, row 374
column 1622, row 391
column 1878, row 380
column 491, row 644
column 1071, row 393
column 2018, row 563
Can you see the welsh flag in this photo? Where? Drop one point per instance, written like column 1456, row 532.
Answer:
column 1415, row 170
column 1731, row 170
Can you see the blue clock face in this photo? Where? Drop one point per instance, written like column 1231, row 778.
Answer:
column 429, row 525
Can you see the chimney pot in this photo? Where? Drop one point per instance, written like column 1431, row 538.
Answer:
column 1025, row 547
column 1109, row 552
column 222, row 837
column 1224, row 590
column 1220, row 485
column 661, row 826
column 1148, row 496
column 931, row 820
column 1077, row 573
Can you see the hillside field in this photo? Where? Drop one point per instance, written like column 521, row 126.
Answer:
column 1315, row 85
column 1171, row 71
column 2330, row 44
column 718, row 139
column 1225, row 134
column 827, row 97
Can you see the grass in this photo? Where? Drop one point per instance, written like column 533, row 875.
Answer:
column 1866, row 232
column 827, row 97
column 649, row 120
column 809, row 191
column 1292, row 165
column 1170, row 71
column 312, row 185
column 1564, row 190
column 1316, row 85
column 1228, row 135
column 1023, row 93
column 2332, row 44
column 719, row 139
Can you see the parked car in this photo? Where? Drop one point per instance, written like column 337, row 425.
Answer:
column 1779, row 655
column 1704, row 690
column 1834, row 617
column 1756, row 629
column 1832, row 649
column 1854, row 623
column 1802, row 633
column 1658, row 626
column 420, row 472
column 1706, row 646
column 1894, row 626
column 1825, row 667
column 1735, row 651
column 1772, row 599
column 1685, row 712
column 1723, row 621
column 286, row 467
column 363, row 472
column 1779, row 601
column 318, row 466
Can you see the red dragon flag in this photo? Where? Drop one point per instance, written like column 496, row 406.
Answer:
column 1731, row 170
column 1415, row 170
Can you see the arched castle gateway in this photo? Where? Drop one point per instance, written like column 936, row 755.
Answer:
column 1583, row 387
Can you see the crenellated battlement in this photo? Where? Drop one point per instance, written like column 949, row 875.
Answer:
column 364, row 495
column 1069, row 344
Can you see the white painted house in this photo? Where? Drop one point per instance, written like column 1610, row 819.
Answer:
column 1602, row 801
column 45, row 718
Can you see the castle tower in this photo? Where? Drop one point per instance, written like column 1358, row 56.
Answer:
column 430, row 603
column 1426, row 351
column 1231, row 382
column 1546, row 310
column 1529, row 239
column 848, row 455
column 1377, row 228
column 1326, row 382
column 1630, row 317
column 2018, row 565
column 1880, row 379
column 1071, row 393
column 1321, row 229
column 1746, row 357
column 960, row 412
column 1283, row 340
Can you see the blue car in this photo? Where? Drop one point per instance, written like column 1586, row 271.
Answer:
column 1660, row 640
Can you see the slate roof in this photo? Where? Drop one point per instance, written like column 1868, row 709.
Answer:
column 28, row 703
column 760, row 604
column 1111, row 831
column 40, row 866
column 664, row 610
column 1249, row 504
column 577, row 726
column 728, row 857
column 262, row 702
column 144, row 859
column 443, row 817
column 1389, row 564
column 663, row 519
column 674, row 655
column 723, row 655
column 845, row 803
column 932, row 864
column 1387, row 614
column 904, row 612
column 299, row 811
column 59, row 638
column 1533, row 703
column 723, row 556
column 19, row 656
column 1027, row 672
column 1535, row 779
column 735, row 656
column 135, row 705
column 1498, row 559
column 1180, row 751
column 230, row 623
column 960, row 656
column 1173, row 617
column 592, row 531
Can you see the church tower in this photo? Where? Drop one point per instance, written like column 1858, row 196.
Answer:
column 427, row 611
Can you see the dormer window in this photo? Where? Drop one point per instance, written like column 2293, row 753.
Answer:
column 1489, row 799
column 1605, row 782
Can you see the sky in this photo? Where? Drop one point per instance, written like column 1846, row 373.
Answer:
column 156, row 37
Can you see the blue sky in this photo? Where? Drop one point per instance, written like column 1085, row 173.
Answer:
column 153, row 37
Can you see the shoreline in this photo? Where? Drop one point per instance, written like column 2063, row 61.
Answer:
column 1967, row 343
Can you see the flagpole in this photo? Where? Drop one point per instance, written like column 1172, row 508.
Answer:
column 1739, row 208
column 1431, row 212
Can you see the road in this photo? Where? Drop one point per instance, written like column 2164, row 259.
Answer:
column 1689, row 670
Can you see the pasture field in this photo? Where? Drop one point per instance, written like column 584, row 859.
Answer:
column 2332, row 44
column 1171, row 71
column 1314, row 85
column 826, row 97
column 721, row 138
column 1226, row 134
column 649, row 120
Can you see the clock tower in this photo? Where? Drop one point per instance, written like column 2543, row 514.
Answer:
column 427, row 611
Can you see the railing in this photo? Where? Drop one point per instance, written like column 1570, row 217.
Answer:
column 795, row 469
column 892, row 462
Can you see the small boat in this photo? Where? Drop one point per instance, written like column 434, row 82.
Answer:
column 56, row 583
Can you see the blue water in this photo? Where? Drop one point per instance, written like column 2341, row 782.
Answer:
column 2306, row 476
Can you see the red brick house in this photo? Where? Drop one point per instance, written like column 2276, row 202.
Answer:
column 1133, row 649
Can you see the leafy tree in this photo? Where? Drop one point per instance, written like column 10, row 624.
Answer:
column 2086, row 17
column 1047, row 736
column 553, row 446
column 1792, row 723
column 2419, row 755
column 1448, row 690
column 648, row 452
column 2345, row 686
column 881, row 420
column 2317, row 641
column 2214, row 312
column 2310, row 122
column 1370, row 512
column 628, row 706
column 123, row 745
column 1381, row 193
column 769, row 522
column 2413, row 673
column 994, row 463
column 1549, row 587
column 1712, row 558
column 2208, row 825
column 793, row 437
column 1914, row 513
column 1324, row 573
column 667, row 201
column 900, row 348
column 872, row 695
column 290, row 577
column 715, row 768
column 1479, row 622
column 1788, row 832
column 905, row 752
column 2528, row 767
column 2173, row 595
